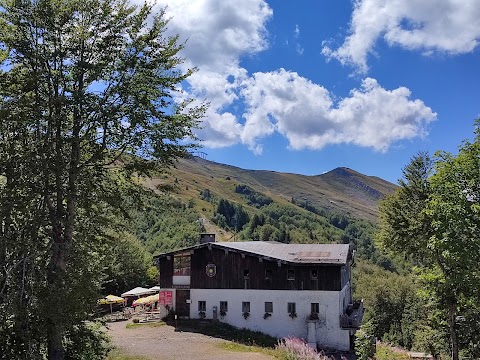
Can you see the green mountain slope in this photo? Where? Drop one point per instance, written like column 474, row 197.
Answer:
column 341, row 190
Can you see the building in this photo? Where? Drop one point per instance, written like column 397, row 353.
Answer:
column 301, row 290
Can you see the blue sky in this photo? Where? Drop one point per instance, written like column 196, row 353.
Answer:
column 307, row 86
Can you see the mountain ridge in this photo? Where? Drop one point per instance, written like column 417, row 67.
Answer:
column 341, row 190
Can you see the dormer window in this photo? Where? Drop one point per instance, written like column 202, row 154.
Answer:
column 268, row 274
column 290, row 274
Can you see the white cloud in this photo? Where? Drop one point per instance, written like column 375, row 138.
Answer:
column 307, row 116
column 450, row 26
column 218, row 34
column 299, row 49
column 296, row 32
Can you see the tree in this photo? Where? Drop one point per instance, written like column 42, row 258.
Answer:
column 86, row 101
column 434, row 217
column 128, row 264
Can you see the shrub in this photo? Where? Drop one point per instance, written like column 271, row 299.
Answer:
column 86, row 342
column 364, row 342
column 296, row 349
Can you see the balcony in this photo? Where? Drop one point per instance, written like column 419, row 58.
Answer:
column 352, row 319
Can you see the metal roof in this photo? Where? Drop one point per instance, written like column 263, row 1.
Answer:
column 292, row 253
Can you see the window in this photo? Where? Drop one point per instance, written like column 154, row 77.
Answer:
column 181, row 264
column 246, row 274
column 246, row 306
column 223, row 306
column 292, row 308
column 314, row 274
column 290, row 274
column 268, row 274
column 314, row 308
column 202, row 306
column 268, row 307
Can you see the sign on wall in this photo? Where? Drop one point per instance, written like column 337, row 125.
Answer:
column 211, row 270
column 165, row 298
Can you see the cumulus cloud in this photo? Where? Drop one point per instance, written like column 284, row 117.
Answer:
column 306, row 114
column 218, row 34
column 450, row 26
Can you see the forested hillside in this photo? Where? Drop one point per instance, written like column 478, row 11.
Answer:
column 237, row 204
column 340, row 206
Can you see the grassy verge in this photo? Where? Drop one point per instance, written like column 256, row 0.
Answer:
column 148, row 324
column 117, row 355
column 227, row 332
column 236, row 347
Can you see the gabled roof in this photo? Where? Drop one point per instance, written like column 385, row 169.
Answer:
column 291, row 253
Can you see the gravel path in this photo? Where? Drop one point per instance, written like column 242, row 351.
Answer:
column 164, row 343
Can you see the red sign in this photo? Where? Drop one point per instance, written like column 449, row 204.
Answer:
column 165, row 298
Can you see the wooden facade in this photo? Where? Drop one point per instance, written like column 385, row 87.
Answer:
column 238, row 270
column 165, row 267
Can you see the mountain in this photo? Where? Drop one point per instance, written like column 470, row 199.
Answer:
column 341, row 190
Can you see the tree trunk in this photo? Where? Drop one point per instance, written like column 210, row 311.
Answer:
column 56, row 273
column 55, row 345
column 453, row 332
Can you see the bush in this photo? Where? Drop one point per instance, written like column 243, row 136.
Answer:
column 296, row 349
column 385, row 352
column 364, row 342
column 87, row 342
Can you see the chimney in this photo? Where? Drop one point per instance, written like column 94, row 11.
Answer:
column 207, row 238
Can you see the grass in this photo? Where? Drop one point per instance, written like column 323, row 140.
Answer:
column 237, row 347
column 199, row 175
column 117, row 355
column 227, row 332
column 147, row 324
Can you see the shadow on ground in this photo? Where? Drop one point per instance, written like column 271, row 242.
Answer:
column 242, row 336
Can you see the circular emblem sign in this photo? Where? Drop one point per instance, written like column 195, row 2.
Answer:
column 211, row 270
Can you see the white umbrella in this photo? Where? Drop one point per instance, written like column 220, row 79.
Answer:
column 138, row 291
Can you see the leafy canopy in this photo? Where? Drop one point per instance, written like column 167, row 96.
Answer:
column 87, row 104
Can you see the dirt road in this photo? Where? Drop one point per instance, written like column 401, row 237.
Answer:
column 164, row 343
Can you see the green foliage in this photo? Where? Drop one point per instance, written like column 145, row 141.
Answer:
column 434, row 218
column 86, row 342
column 207, row 195
column 85, row 87
column 364, row 342
column 127, row 265
column 230, row 215
column 385, row 352
column 164, row 224
column 117, row 355
column 393, row 309
column 253, row 198
column 290, row 224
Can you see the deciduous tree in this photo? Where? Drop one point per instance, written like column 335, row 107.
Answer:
column 87, row 92
column 434, row 217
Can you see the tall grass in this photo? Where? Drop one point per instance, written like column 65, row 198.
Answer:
column 297, row 349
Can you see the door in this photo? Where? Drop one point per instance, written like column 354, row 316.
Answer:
column 182, row 308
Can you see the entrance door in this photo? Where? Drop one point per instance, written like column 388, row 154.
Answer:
column 182, row 308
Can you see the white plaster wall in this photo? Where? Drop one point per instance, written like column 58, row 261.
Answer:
column 181, row 280
column 329, row 333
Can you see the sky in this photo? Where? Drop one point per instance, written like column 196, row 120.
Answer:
column 308, row 86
